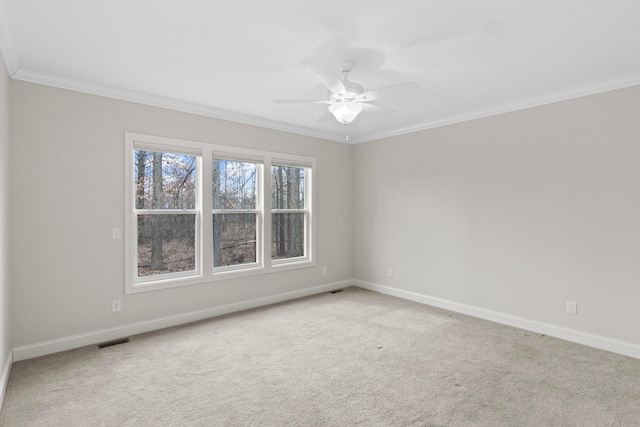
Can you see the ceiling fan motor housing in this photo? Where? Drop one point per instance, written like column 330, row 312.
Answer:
column 351, row 91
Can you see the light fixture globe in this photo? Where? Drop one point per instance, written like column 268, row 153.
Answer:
column 345, row 111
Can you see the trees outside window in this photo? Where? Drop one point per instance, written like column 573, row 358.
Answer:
column 288, row 213
column 235, row 213
column 198, row 212
column 165, row 212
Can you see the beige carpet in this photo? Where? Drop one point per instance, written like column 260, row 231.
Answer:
column 335, row 359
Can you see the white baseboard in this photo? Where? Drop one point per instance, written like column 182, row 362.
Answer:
column 95, row 337
column 604, row 343
column 4, row 379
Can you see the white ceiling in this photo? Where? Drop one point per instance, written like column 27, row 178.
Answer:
column 230, row 59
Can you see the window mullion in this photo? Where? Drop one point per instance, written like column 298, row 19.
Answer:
column 266, row 212
column 206, row 206
column 289, row 210
column 309, row 207
column 235, row 211
column 164, row 211
column 260, row 197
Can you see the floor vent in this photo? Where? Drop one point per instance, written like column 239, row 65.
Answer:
column 336, row 291
column 114, row 342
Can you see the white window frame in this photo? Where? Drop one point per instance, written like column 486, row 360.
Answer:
column 205, row 272
column 308, row 197
column 258, row 211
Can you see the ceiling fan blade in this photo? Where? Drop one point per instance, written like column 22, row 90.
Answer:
column 332, row 82
column 389, row 93
column 378, row 109
column 490, row 27
column 301, row 101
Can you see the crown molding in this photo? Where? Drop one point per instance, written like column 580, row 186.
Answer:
column 77, row 85
column 566, row 94
column 93, row 88
column 7, row 49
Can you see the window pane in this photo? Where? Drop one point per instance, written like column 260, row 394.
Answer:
column 234, row 239
column 287, row 235
column 234, row 184
column 166, row 244
column 287, row 187
column 164, row 180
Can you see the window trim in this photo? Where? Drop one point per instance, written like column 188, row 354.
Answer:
column 304, row 210
column 205, row 272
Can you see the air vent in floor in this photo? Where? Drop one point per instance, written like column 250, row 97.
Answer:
column 113, row 342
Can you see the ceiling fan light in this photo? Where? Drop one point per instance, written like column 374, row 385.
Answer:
column 345, row 112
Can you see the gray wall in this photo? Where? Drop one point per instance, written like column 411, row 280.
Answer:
column 67, row 195
column 5, row 333
column 515, row 213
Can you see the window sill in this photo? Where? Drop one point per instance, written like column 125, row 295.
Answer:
column 217, row 276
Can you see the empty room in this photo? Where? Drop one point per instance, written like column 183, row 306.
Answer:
column 411, row 213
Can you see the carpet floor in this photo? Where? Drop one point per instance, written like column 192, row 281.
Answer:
column 354, row 357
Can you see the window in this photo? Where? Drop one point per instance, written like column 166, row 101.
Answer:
column 197, row 212
column 235, row 213
column 288, row 212
column 165, row 213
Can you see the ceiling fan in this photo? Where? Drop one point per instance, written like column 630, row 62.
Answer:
column 348, row 99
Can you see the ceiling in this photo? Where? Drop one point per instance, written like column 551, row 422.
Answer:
column 231, row 59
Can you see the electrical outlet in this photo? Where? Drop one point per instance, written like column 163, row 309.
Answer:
column 572, row 307
column 116, row 305
column 390, row 273
column 324, row 271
